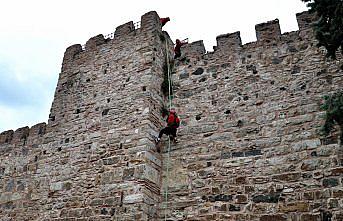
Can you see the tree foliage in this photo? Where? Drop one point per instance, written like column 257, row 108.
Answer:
column 333, row 106
column 329, row 28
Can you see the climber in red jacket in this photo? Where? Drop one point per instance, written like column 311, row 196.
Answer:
column 177, row 49
column 164, row 21
column 173, row 122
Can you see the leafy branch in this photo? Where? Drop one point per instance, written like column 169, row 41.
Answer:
column 333, row 106
column 329, row 28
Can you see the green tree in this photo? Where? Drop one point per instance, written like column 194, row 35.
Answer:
column 333, row 106
column 329, row 27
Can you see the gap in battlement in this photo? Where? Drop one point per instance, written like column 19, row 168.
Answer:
column 248, row 33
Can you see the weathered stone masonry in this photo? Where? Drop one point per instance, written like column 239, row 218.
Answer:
column 95, row 160
column 248, row 149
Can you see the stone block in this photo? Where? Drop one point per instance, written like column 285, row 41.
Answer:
column 330, row 182
column 133, row 198
column 241, row 199
column 10, row 185
column 336, row 171
column 274, row 217
column 146, row 172
column 56, row 186
column 294, row 207
column 310, row 217
column 311, row 164
column 128, row 173
column 288, row 177
column 337, row 193
column 219, row 197
column 250, row 153
column 266, row 198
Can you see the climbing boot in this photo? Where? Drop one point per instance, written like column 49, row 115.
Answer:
column 173, row 139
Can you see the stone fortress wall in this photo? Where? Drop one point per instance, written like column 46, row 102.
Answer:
column 248, row 148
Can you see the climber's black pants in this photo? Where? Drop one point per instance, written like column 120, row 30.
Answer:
column 168, row 131
column 177, row 54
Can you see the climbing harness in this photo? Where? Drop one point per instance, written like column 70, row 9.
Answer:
column 170, row 105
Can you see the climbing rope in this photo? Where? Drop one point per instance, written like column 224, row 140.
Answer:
column 170, row 106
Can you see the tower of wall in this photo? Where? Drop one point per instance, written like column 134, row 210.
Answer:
column 96, row 158
column 248, row 145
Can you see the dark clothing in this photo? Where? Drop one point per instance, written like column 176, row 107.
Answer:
column 168, row 131
column 177, row 54
column 177, row 49
column 173, row 122
column 178, row 46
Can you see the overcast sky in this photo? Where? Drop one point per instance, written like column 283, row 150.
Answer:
column 35, row 33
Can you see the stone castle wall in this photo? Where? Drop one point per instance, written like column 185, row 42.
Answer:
column 248, row 145
column 95, row 159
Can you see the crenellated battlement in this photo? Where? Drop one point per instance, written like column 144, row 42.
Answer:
column 305, row 20
column 229, row 42
column 94, row 42
column 149, row 22
column 266, row 33
column 194, row 49
column 124, row 29
column 22, row 134
column 6, row 136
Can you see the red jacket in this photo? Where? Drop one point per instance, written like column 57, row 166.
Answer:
column 173, row 121
column 164, row 20
column 178, row 46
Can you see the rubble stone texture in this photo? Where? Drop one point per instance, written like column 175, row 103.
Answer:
column 248, row 146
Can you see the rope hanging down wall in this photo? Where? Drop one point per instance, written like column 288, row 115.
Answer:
column 170, row 106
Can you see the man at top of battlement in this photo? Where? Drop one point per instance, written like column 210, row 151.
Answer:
column 164, row 21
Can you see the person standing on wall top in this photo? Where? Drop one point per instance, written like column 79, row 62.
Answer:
column 177, row 49
column 164, row 21
column 173, row 122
